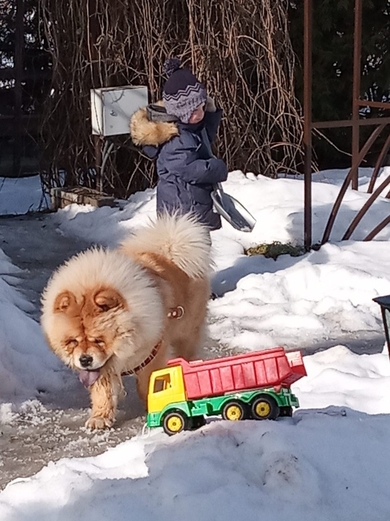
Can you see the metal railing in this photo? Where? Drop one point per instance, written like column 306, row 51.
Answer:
column 355, row 122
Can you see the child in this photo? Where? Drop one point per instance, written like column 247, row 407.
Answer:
column 179, row 134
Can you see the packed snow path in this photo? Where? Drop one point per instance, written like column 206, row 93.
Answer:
column 52, row 427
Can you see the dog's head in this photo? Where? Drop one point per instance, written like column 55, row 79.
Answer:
column 91, row 324
column 84, row 331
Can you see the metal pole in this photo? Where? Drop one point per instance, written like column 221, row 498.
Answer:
column 18, row 98
column 384, row 319
column 347, row 180
column 93, row 31
column 98, row 162
column 307, row 121
column 363, row 210
column 378, row 165
column 357, row 44
column 377, row 229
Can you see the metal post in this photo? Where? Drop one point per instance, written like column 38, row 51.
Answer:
column 357, row 44
column 98, row 163
column 384, row 303
column 18, row 98
column 307, row 121
column 386, row 326
column 93, row 32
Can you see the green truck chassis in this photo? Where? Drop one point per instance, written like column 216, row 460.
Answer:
column 253, row 404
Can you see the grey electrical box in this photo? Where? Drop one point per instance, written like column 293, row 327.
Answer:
column 112, row 107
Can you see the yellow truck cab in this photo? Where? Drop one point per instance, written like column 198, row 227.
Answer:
column 166, row 386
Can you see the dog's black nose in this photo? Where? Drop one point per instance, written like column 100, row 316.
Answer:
column 86, row 360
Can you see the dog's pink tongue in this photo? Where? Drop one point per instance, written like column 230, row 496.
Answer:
column 87, row 378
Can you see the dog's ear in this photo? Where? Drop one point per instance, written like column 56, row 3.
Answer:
column 107, row 299
column 64, row 302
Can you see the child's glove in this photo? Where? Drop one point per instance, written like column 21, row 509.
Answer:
column 210, row 105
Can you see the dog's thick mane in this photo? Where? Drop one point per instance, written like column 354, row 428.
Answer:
column 100, row 268
column 181, row 239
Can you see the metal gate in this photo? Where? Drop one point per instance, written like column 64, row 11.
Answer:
column 355, row 122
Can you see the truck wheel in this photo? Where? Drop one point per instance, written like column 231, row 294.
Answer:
column 233, row 411
column 264, row 408
column 175, row 422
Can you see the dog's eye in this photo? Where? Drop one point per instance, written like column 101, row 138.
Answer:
column 104, row 307
column 98, row 341
column 71, row 343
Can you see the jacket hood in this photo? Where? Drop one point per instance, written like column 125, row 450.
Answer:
column 152, row 126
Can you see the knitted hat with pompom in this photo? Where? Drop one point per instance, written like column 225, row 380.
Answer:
column 182, row 92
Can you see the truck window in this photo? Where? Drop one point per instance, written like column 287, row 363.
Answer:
column 161, row 383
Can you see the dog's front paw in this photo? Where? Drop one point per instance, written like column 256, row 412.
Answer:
column 98, row 422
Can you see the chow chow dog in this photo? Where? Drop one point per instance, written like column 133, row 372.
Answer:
column 107, row 313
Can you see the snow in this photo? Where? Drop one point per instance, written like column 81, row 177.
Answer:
column 329, row 461
column 18, row 196
column 22, row 347
column 321, row 464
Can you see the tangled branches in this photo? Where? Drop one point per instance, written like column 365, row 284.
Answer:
column 239, row 48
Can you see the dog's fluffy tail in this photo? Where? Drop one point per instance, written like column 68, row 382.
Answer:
column 179, row 238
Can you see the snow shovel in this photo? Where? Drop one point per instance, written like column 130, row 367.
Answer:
column 227, row 206
column 232, row 210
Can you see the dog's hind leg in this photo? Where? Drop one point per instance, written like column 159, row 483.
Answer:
column 104, row 397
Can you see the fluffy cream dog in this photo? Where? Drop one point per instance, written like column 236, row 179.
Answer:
column 109, row 312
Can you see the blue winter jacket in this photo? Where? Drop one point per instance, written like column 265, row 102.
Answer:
column 186, row 167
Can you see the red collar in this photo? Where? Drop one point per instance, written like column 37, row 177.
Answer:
column 145, row 362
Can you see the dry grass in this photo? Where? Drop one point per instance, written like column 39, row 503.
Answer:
column 275, row 249
column 239, row 48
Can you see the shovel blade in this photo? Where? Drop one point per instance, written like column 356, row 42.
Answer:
column 233, row 211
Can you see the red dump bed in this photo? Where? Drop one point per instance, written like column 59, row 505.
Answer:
column 271, row 368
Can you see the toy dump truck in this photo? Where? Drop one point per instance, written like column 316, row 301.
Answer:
column 249, row 386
